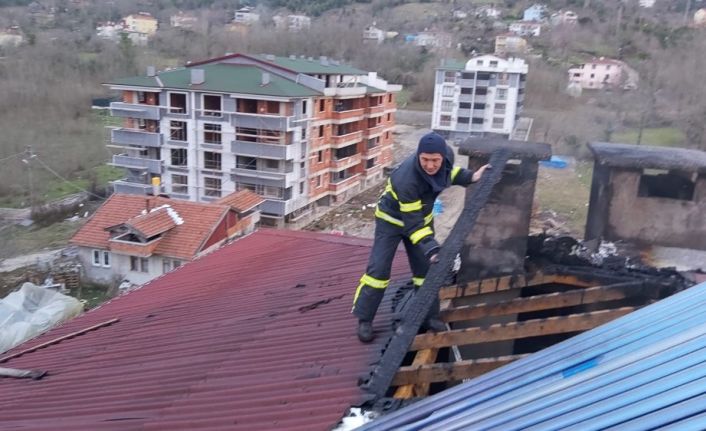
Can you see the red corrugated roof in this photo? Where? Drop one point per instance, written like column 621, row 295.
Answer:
column 154, row 222
column 255, row 336
column 183, row 241
column 242, row 200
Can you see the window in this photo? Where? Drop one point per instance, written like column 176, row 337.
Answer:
column 498, row 122
column 179, row 157
column 106, row 259
column 245, row 162
column 318, row 181
column 656, row 183
column 180, row 184
column 467, row 75
column 450, row 77
column 481, row 91
column 322, row 105
column 479, row 106
column 212, row 160
column 212, row 186
column 319, row 156
column 447, row 91
column 301, row 188
column 303, row 133
column 212, row 133
column 447, row 105
column 477, row 120
column 593, row 75
column 466, row 90
column 139, row 264
column 169, row 264
column 501, row 94
column 387, row 135
column 177, row 103
column 321, row 131
column 370, row 163
column 463, row 120
column 445, row 120
column 479, row 62
column 96, row 258
column 212, row 105
column 389, row 117
column 272, row 107
column 271, row 164
column 389, row 98
column 493, row 63
column 177, row 130
column 500, row 108
column 593, row 66
column 303, row 107
column 464, row 105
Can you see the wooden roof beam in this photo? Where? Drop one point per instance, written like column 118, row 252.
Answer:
column 448, row 371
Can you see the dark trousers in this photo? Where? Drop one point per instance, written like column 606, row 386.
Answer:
column 377, row 275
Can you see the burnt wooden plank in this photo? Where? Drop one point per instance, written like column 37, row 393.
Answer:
column 494, row 284
column 428, row 293
column 449, row 371
column 541, row 302
column 513, row 330
column 417, row 389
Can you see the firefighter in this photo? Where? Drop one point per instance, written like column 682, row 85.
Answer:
column 404, row 213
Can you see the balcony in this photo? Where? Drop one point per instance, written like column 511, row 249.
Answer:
column 137, row 163
column 134, row 110
column 266, row 174
column 270, row 151
column 341, row 186
column 480, row 98
column 343, row 140
column 465, row 97
column 373, row 152
column 369, row 172
column 130, row 188
column 464, row 113
column 375, row 111
column 374, row 131
column 260, row 121
column 135, row 137
column 347, row 162
column 348, row 116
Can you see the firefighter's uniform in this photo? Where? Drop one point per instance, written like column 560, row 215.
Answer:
column 403, row 213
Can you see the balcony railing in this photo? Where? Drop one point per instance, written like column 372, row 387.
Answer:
column 260, row 121
column 375, row 110
column 343, row 140
column 130, row 188
column 137, row 163
column 346, row 162
column 352, row 114
column 374, row 151
column 266, row 174
column 374, row 131
column 134, row 110
column 339, row 186
column 271, row 151
column 136, row 137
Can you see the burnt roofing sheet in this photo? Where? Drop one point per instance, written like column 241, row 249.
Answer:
column 516, row 149
column 645, row 156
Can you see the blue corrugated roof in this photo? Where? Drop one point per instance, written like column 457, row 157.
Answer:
column 642, row 371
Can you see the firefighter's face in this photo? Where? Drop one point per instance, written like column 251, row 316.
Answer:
column 431, row 162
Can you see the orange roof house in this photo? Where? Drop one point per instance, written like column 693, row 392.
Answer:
column 137, row 238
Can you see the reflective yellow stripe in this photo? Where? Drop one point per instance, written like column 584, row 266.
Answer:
column 455, row 172
column 357, row 292
column 388, row 218
column 421, row 233
column 412, row 206
column 374, row 282
column 388, row 188
column 429, row 218
column 417, row 281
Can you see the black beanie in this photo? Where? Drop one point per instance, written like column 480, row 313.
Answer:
column 432, row 143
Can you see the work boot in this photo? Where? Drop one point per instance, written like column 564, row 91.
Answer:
column 435, row 325
column 365, row 331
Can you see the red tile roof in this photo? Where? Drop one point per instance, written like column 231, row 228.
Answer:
column 153, row 223
column 241, row 201
column 184, row 241
column 255, row 336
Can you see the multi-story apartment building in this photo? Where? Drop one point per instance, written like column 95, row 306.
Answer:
column 604, row 73
column 299, row 132
column 483, row 96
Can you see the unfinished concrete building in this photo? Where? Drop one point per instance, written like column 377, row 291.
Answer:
column 648, row 195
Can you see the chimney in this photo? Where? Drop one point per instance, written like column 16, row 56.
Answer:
column 156, row 185
column 265, row 78
column 198, row 76
column 151, row 71
column 147, row 204
column 292, row 57
column 323, row 60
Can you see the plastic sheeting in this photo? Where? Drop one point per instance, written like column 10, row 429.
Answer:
column 32, row 310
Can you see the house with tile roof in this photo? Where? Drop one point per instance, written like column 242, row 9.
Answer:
column 137, row 238
column 300, row 132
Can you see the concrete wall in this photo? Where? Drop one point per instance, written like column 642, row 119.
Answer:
column 498, row 241
column 119, row 268
column 618, row 213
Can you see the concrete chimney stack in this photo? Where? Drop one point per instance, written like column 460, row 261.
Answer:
column 265, row 78
column 151, row 71
column 198, row 76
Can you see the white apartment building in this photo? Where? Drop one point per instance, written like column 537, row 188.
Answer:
column 604, row 73
column 483, row 96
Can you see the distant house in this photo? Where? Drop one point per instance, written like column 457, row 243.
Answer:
column 564, row 18
column 604, row 73
column 137, row 238
column 141, row 22
column 373, row 33
column 11, row 37
column 293, row 23
column 700, row 18
column 110, row 30
column 647, row 3
column 460, row 14
column 433, row 39
column 536, row 12
column 526, row 28
column 488, row 11
column 184, row 20
column 245, row 15
column 510, row 43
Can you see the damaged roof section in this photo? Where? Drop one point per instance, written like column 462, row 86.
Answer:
column 643, row 156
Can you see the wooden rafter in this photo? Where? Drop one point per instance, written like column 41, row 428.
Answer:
column 423, row 358
column 541, row 302
column 449, row 371
column 513, row 330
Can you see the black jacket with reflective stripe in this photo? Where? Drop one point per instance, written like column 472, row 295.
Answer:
column 410, row 188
